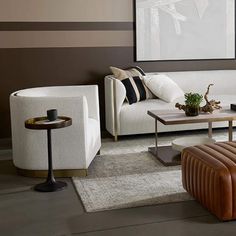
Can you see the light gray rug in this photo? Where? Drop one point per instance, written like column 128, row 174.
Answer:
column 126, row 175
column 129, row 180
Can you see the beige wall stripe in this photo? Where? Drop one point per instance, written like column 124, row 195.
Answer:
column 38, row 39
column 66, row 10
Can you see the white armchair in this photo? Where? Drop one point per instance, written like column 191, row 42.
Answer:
column 73, row 147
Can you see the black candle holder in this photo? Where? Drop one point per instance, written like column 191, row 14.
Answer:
column 52, row 114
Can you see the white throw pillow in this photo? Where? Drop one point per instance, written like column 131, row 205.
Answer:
column 163, row 87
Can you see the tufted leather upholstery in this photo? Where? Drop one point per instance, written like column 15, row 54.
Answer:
column 209, row 175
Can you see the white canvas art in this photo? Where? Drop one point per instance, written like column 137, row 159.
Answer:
column 185, row 29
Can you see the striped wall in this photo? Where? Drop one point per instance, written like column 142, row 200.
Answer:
column 67, row 10
column 70, row 42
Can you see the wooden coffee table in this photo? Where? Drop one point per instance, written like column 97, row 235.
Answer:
column 170, row 157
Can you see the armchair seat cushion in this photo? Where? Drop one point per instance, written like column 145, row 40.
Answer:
column 135, row 117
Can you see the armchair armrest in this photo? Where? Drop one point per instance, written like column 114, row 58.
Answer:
column 92, row 97
column 58, row 92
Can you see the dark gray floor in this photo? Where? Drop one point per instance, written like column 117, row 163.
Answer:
column 25, row 212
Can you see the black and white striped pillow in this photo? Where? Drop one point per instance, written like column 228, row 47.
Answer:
column 132, row 78
column 135, row 89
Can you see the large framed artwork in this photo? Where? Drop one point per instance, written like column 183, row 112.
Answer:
column 185, row 29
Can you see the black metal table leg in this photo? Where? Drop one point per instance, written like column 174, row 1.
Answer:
column 51, row 185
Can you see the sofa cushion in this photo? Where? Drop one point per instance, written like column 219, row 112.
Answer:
column 134, row 119
column 163, row 87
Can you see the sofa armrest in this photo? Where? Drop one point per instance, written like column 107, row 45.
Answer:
column 115, row 94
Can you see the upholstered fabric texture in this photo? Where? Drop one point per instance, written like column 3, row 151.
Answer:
column 73, row 147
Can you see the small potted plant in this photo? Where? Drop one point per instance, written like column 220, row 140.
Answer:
column 192, row 102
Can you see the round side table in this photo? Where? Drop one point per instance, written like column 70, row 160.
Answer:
column 42, row 123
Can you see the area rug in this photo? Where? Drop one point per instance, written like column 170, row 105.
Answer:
column 129, row 180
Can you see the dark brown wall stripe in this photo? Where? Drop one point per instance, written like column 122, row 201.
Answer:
column 31, row 67
column 57, row 26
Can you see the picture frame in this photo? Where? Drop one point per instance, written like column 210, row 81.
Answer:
column 167, row 30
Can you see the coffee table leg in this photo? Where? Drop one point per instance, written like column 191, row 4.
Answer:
column 165, row 154
column 230, row 130
column 210, row 129
column 156, row 137
column 51, row 185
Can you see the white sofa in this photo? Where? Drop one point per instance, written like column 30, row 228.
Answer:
column 125, row 119
column 74, row 147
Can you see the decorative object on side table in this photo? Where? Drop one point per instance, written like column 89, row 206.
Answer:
column 52, row 114
column 193, row 101
column 48, row 123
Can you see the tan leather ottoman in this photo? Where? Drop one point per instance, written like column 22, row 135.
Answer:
column 209, row 175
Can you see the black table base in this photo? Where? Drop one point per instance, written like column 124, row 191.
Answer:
column 166, row 155
column 41, row 123
column 50, row 186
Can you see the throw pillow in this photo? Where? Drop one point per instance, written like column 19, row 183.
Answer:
column 137, row 68
column 132, row 79
column 135, row 90
column 163, row 87
column 123, row 74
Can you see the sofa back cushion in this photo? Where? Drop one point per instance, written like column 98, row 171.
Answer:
column 197, row 81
